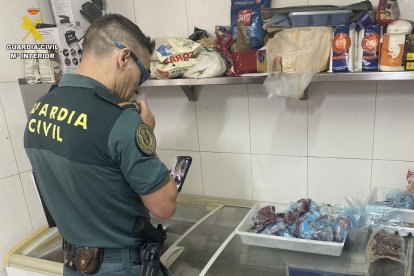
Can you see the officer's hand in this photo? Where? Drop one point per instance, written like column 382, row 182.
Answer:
column 146, row 114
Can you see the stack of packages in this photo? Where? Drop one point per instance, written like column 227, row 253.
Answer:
column 235, row 51
column 374, row 41
column 194, row 57
column 242, row 43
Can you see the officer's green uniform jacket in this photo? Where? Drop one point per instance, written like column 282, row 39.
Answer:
column 90, row 165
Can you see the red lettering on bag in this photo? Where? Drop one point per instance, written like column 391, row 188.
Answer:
column 180, row 57
column 245, row 16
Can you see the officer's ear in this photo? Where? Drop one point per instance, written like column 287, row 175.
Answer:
column 123, row 57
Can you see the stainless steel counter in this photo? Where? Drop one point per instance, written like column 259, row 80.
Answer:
column 202, row 241
column 212, row 248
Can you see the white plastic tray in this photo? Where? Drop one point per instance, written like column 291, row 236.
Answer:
column 407, row 215
column 294, row 244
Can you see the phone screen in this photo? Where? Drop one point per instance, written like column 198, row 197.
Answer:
column 180, row 170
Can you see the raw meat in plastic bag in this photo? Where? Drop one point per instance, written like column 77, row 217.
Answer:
column 263, row 217
column 297, row 210
column 319, row 229
column 383, row 244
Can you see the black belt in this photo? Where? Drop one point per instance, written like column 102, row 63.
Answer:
column 110, row 255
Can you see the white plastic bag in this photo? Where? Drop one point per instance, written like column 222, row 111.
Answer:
column 175, row 50
column 210, row 64
column 174, row 69
column 293, row 57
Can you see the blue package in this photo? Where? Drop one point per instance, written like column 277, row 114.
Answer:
column 248, row 12
column 342, row 49
column 370, row 47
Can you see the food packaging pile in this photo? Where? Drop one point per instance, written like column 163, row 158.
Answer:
column 305, row 219
column 384, row 217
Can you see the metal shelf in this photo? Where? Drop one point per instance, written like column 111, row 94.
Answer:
column 364, row 76
column 188, row 85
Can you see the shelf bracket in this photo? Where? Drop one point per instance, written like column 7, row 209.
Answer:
column 190, row 92
column 305, row 94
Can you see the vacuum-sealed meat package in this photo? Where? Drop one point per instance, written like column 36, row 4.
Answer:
column 304, row 219
column 263, row 217
column 383, row 244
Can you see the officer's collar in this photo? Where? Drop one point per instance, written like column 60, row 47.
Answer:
column 76, row 80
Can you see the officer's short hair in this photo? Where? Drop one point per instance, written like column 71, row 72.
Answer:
column 100, row 36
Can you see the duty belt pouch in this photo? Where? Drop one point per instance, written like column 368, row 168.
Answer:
column 69, row 256
column 88, row 259
column 150, row 259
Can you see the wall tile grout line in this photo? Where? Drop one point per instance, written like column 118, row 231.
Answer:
column 17, row 166
column 288, row 155
column 198, row 144
column 9, row 176
column 21, row 172
column 135, row 16
column 373, row 134
column 250, row 141
column 307, row 141
column 186, row 16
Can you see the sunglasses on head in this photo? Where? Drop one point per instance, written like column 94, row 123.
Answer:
column 145, row 74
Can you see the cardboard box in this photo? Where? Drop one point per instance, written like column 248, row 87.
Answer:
column 67, row 41
column 74, row 13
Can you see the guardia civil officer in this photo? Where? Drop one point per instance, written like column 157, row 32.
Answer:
column 93, row 153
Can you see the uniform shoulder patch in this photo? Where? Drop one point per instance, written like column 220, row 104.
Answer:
column 124, row 105
column 145, row 139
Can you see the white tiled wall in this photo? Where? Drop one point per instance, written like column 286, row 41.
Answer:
column 162, row 18
column 341, row 119
column 391, row 174
column 202, row 16
column 393, row 136
column 15, row 221
column 16, row 120
column 34, row 205
column 227, row 175
column 278, row 126
column 331, row 179
column 279, row 178
column 176, row 123
column 7, row 161
column 223, row 118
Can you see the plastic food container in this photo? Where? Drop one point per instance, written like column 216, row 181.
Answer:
column 319, row 18
column 294, row 244
column 406, row 215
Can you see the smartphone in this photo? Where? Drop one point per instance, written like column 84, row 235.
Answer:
column 180, row 169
